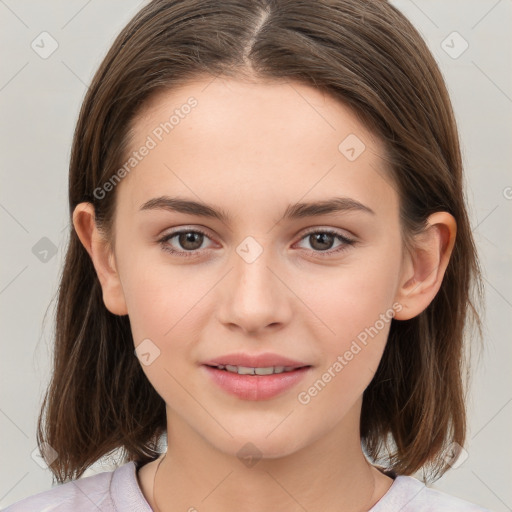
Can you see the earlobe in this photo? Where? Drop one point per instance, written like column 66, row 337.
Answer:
column 102, row 258
column 425, row 265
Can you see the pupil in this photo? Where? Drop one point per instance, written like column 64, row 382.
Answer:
column 186, row 238
column 320, row 237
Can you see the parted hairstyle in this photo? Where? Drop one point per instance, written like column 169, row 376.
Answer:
column 364, row 53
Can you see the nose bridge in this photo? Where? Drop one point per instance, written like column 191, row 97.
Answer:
column 253, row 278
column 255, row 297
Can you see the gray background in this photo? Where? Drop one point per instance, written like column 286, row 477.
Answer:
column 39, row 101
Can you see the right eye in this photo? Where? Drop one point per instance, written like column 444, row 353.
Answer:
column 189, row 239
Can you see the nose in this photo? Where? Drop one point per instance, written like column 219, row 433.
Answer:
column 255, row 297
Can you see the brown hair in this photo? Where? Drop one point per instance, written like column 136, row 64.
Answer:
column 368, row 56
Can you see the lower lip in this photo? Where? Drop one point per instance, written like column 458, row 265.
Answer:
column 256, row 387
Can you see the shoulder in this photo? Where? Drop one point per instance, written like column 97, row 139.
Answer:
column 92, row 493
column 408, row 494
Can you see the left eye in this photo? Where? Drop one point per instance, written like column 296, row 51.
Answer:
column 192, row 240
column 320, row 239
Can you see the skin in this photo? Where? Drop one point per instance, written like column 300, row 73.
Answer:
column 252, row 149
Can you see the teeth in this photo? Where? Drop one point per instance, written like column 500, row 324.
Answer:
column 264, row 371
column 245, row 370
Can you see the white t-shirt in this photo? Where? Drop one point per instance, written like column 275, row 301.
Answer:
column 119, row 491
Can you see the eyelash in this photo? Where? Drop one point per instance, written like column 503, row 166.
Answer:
column 348, row 242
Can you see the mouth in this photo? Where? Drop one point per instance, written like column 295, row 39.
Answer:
column 249, row 370
column 255, row 383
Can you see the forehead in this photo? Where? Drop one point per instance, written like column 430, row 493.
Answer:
column 298, row 111
column 282, row 140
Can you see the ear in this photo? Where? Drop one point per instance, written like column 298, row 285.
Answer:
column 102, row 258
column 424, row 266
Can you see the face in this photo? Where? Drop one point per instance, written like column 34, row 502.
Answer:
column 315, row 285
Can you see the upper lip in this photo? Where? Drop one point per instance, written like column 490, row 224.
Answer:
column 263, row 360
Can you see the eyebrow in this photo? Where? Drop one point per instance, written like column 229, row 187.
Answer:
column 295, row 211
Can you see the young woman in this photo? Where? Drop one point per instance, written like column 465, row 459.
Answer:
column 271, row 266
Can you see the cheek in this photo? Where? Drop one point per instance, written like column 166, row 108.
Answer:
column 353, row 295
column 355, row 305
column 168, row 306
column 163, row 307
column 160, row 305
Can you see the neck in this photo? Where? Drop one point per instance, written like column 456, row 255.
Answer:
column 330, row 474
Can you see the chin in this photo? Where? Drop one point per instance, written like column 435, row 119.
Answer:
column 257, row 445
